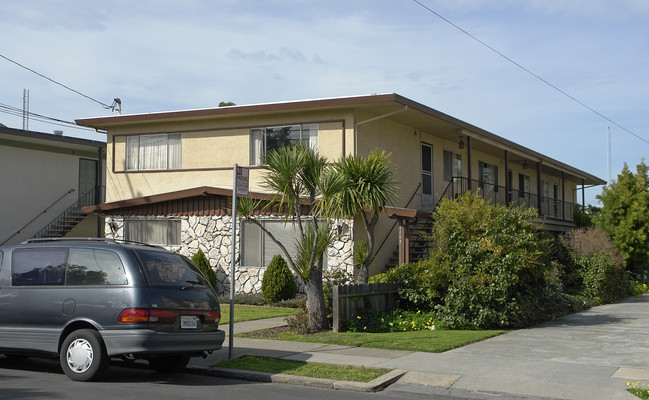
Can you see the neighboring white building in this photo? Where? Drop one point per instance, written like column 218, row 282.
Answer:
column 45, row 175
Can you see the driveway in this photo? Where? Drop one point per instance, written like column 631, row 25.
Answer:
column 587, row 355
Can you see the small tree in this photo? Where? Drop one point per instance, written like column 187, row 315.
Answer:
column 369, row 187
column 278, row 283
column 305, row 189
column 625, row 215
column 203, row 264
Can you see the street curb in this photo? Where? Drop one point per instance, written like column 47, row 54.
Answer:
column 375, row 385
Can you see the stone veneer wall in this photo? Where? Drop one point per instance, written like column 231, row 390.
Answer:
column 213, row 235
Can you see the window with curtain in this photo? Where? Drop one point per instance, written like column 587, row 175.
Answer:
column 164, row 232
column 452, row 165
column 488, row 178
column 524, row 186
column 257, row 249
column 263, row 140
column 154, row 152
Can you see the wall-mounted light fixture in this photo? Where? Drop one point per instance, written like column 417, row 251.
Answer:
column 461, row 144
column 112, row 225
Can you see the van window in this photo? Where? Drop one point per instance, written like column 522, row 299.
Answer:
column 38, row 267
column 169, row 269
column 94, row 267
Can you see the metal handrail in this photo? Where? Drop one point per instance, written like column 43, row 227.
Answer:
column 393, row 225
column 36, row 217
column 550, row 208
column 69, row 215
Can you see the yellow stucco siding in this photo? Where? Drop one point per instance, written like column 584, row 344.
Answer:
column 208, row 155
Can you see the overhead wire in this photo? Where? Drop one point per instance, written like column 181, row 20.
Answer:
column 7, row 109
column 530, row 72
column 55, row 82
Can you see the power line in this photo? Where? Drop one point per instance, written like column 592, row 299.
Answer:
column 530, row 72
column 41, row 118
column 116, row 103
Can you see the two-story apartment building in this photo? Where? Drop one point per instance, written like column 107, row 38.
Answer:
column 46, row 179
column 169, row 174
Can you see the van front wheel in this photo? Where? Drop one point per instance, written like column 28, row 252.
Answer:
column 83, row 355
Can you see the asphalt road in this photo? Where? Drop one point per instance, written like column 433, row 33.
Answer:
column 36, row 378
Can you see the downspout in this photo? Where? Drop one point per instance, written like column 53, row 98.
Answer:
column 98, row 194
column 468, row 161
column 405, row 108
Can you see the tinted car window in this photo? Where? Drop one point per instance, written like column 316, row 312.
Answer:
column 38, row 267
column 94, row 267
column 169, row 269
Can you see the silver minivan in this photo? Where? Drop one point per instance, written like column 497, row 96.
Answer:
column 88, row 300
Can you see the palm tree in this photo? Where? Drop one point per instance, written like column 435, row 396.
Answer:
column 369, row 187
column 305, row 188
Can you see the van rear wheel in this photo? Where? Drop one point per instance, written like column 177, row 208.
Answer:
column 83, row 355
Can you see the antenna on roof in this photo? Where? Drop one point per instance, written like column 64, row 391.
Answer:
column 117, row 105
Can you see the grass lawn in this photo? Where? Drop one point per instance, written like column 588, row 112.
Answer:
column 326, row 371
column 249, row 313
column 436, row 341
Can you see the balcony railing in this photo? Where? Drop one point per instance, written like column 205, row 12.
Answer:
column 549, row 207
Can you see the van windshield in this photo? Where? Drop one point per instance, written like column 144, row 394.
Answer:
column 169, row 269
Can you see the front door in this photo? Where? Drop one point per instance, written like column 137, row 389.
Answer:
column 426, row 174
column 87, row 179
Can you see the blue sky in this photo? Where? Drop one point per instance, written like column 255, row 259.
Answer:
column 170, row 55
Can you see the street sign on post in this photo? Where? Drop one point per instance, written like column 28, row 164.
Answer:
column 242, row 181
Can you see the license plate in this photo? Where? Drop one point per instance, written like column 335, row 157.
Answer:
column 188, row 322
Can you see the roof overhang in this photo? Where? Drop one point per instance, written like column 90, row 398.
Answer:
column 391, row 105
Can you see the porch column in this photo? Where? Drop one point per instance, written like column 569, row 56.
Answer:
column 583, row 196
column 508, row 184
column 404, row 241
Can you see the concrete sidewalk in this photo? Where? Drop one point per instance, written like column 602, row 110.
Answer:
column 587, row 355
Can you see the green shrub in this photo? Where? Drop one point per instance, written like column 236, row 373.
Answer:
column 604, row 280
column 423, row 284
column 278, row 283
column 201, row 262
column 492, row 257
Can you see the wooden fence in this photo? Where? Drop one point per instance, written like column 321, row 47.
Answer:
column 351, row 300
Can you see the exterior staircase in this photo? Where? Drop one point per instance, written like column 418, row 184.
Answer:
column 420, row 246
column 68, row 219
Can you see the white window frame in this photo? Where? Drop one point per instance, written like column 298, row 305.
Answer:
column 259, row 139
column 160, row 151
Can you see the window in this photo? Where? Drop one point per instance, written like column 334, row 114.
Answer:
column 263, row 140
column 164, row 268
column 94, row 267
column 452, row 165
column 154, row 152
column 523, row 185
column 257, row 249
column 38, row 267
column 426, row 174
column 165, row 232
column 488, row 176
